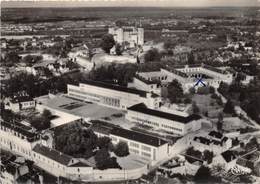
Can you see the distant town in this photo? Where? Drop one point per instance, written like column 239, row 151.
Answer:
column 130, row 95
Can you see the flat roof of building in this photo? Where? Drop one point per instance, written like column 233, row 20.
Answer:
column 138, row 137
column 143, row 109
column 105, row 128
column 115, row 87
column 53, row 154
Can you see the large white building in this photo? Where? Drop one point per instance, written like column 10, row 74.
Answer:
column 149, row 147
column 134, row 36
column 112, row 95
column 172, row 123
column 189, row 75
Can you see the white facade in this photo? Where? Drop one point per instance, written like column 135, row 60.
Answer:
column 134, row 36
column 18, row 106
column 165, row 123
column 186, row 75
column 144, row 85
column 104, row 94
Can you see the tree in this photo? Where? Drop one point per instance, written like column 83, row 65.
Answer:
column 104, row 142
column 203, row 175
column 191, row 59
column 118, row 49
column 12, row 58
column 152, row 55
column 107, row 42
column 208, row 155
column 47, row 114
column 175, row 92
column 40, row 123
column 121, row 149
column 220, row 122
column 229, row 107
column 195, row 108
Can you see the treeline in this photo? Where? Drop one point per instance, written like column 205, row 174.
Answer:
column 248, row 97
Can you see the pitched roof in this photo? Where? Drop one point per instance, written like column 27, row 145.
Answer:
column 18, row 99
column 215, row 134
column 21, row 129
column 202, row 140
column 115, row 87
column 53, row 154
column 229, row 155
column 174, row 117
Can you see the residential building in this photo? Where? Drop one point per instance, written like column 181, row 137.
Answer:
column 19, row 102
column 112, row 95
column 165, row 121
column 226, row 160
column 215, row 141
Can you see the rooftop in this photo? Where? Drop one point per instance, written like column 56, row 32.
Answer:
column 116, row 87
column 143, row 109
column 229, row 155
column 53, row 154
column 18, row 99
column 19, row 128
column 138, row 137
column 105, row 128
column 215, row 134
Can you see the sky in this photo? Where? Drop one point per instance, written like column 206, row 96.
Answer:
column 132, row 3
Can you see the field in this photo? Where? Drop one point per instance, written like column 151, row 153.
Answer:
column 34, row 15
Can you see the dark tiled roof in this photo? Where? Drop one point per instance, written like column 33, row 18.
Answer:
column 215, row 134
column 53, row 154
column 143, row 109
column 116, row 87
column 21, row 99
column 229, row 155
column 17, row 127
column 202, row 140
column 138, row 137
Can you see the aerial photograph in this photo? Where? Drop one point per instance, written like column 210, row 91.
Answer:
column 130, row 92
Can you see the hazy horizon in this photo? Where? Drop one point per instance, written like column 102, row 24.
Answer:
column 131, row 3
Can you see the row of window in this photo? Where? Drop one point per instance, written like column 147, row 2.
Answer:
column 157, row 124
column 12, row 131
column 133, row 144
column 147, row 122
column 134, row 151
column 146, row 148
column 146, row 154
column 171, row 128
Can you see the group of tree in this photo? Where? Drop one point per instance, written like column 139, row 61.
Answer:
column 79, row 142
column 175, row 92
column 31, row 59
column 205, row 90
column 247, row 96
column 152, row 55
column 107, row 43
column 229, row 107
column 10, row 59
column 115, row 73
column 43, row 121
column 34, row 86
